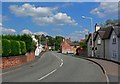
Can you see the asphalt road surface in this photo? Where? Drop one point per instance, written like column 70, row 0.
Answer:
column 56, row 67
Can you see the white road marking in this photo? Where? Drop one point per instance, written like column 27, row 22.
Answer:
column 47, row 74
column 61, row 64
column 106, row 77
column 54, row 69
column 60, row 60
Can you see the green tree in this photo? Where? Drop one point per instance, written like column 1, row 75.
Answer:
column 58, row 41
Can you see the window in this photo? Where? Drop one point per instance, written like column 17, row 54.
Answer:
column 114, row 40
column 99, row 41
column 114, row 56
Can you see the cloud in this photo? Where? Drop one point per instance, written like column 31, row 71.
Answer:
column 40, row 33
column 30, row 10
column 77, row 35
column 27, row 31
column 57, row 29
column 106, row 9
column 42, row 15
column 58, row 19
column 3, row 18
column 7, row 30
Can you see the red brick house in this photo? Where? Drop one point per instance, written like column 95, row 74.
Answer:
column 68, row 47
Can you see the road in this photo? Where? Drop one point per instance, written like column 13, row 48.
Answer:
column 56, row 67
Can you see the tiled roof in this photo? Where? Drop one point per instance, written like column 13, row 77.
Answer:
column 74, row 44
column 104, row 33
column 117, row 30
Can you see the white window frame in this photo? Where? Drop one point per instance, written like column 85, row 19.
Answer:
column 99, row 41
column 114, row 39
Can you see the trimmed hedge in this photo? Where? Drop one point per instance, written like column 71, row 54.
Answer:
column 26, row 38
column 22, row 47
column 6, row 47
column 15, row 48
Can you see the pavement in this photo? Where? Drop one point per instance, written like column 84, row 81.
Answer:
column 56, row 67
column 111, row 69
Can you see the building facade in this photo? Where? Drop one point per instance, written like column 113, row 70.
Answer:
column 68, row 47
column 106, row 43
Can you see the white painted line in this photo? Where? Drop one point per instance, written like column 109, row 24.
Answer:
column 54, row 69
column 106, row 77
column 60, row 60
column 61, row 64
column 47, row 74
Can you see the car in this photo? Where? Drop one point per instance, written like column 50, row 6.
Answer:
column 70, row 52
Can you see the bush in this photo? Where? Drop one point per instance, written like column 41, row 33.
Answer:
column 15, row 48
column 28, row 40
column 0, row 48
column 6, row 47
column 23, row 47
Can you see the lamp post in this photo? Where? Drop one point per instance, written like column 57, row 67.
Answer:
column 91, row 19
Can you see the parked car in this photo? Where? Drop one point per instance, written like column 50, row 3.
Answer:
column 70, row 52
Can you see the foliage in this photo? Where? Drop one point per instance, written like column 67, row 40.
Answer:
column 109, row 23
column 6, row 47
column 58, row 41
column 0, row 47
column 15, row 48
column 28, row 40
column 83, row 45
column 23, row 47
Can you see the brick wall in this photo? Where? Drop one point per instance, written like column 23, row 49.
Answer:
column 7, row 62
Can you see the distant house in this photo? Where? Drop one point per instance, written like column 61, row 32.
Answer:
column 68, row 47
column 45, row 46
column 89, row 45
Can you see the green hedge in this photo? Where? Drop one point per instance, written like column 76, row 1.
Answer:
column 6, row 47
column 15, row 48
column 23, row 47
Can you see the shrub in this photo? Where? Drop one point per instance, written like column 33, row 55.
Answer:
column 23, row 47
column 29, row 43
column 6, row 47
column 0, row 48
column 15, row 48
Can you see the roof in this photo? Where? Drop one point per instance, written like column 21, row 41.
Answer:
column 74, row 44
column 108, row 32
column 117, row 30
column 95, row 33
column 88, row 37
column 104, row 33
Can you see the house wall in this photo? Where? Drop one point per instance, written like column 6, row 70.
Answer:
column 89, row 48
column 119, row 49
column 113, row 47
column 100, row 48
column 107, row 49
column 65, row 47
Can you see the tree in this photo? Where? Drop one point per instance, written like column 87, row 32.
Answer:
column 58, row 41
column 109, row 23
